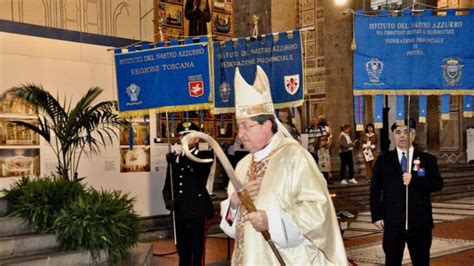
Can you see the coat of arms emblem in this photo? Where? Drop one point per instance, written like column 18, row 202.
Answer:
column 292, row 83
column 374, row 69
column 452, row 70
column 196, row 88
column 133, row 90
column 224, row 91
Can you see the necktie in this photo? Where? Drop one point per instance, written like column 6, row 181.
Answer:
column 403, row 162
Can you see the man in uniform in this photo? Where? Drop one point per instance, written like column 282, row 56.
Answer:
column 288, row 190
column 190, row 202
column 388, row 200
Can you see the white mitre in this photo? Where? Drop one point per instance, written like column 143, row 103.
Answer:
column 252, row 100
column 256, row 99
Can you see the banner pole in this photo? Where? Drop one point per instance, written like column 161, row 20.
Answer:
column 408, row 170
column 168, row 133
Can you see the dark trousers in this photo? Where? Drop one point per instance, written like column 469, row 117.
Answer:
column 346, row 161
column 190, row 241
column 418, row 241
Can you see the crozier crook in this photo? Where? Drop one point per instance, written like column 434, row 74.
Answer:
column 241, row 191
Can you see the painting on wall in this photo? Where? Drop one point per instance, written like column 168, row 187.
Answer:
column 198, row 17
column 10, row 105
column 12, row 134
column 141, row 133
column 223, row 5
column 172, row 34
column 135, row 160
column 19, row 162
column 172, row 14
column 222, row 23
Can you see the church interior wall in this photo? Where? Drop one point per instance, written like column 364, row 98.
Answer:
column 69, row 69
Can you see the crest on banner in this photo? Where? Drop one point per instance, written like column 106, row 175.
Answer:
column 292, row 83
column 196, row 88
column 452, row 70
column 374, row 69
column 133, row 90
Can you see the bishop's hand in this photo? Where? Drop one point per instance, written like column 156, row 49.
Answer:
column 258, row 219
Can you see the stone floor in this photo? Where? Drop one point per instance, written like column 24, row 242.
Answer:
column 217, row 248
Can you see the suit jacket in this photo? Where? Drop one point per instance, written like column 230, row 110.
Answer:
column 387, row 192
column 191, row 199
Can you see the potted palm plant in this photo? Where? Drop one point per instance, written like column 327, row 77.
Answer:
column 71, row 131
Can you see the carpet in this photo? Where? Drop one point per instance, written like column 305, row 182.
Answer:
column 373, row 252
column 463, row 201
column 464, row 212
column 442, row 212
column 453, row 206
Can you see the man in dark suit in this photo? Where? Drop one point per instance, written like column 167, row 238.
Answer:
column 387, row 198
column 190, row 201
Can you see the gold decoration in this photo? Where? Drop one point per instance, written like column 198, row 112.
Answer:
column 186, row 125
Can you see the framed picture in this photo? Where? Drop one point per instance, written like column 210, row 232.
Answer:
column 19, row 162
column 222, row 5
column 10, row 105
column 222, row 23
column 141, row 133
column 172, row 33
column 13, row 134
column 135, row 160
column 173, row 14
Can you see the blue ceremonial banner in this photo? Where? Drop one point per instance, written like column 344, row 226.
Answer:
column 174, row 78
column 378, row 119
column 445, row 104
column 414, row 54
column 400, row 106
column 468, row 105
column 279, row 55
column 422, row 105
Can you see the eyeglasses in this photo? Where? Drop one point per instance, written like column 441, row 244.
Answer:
column 246, row 127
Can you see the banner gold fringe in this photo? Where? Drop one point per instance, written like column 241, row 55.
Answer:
column 413, row 92
column 444, row 116
column 359, row 127
column 378, row 125
column 182, row 108
column 467, row 114
column 288, row 104
column 217, row 111
column 422, row 119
